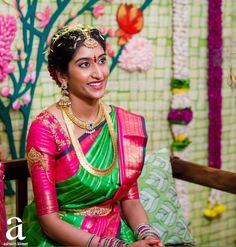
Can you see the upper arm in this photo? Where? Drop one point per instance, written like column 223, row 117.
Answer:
column 41, row 149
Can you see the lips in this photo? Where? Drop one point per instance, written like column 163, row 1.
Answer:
column 96, row 85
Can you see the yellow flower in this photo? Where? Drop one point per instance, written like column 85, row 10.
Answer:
column 209, row 213
column 214, row 212
column 219, row 208
column 180, row 138
column 179, row 90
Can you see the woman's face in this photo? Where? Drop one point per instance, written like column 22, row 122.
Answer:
column 87, row 73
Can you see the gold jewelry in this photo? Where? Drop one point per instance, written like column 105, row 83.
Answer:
column 89, row 126
column 78, row 150
column 91, row 211
column 64, row 100
column 88, row 42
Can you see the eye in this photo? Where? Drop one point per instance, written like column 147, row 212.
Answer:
column 84, row 65
column 102, row 60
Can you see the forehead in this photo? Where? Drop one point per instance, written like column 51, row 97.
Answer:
column 85, row 52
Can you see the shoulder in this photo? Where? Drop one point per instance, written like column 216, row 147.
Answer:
column 46, row 129
column 130, row 123
column 127, row 113
column 46, row 116
column 44, row 122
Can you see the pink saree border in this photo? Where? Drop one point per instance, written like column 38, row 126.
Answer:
column 131, row 148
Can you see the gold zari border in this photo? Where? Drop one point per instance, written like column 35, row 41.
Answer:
column 92, row 211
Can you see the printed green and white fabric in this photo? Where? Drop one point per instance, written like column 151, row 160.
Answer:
column 159, row 197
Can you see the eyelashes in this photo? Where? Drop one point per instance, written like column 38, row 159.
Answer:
column 86, row 64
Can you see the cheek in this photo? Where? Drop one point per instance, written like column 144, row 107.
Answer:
column 106, row 72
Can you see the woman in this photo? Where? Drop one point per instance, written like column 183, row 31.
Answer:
column 85, row 156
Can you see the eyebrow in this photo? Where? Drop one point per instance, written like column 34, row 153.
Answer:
column 88, row 58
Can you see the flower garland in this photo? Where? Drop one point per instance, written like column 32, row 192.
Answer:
column 180, row 114
column 214, row 82
column 215, row 46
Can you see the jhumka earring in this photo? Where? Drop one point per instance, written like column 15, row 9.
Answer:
column 64, row 100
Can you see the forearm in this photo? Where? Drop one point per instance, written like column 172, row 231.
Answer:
column 134, row 213
column 63, row 232
column 137, row 219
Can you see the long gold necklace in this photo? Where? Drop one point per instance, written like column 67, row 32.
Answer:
column 80, row 155
column 89, row 126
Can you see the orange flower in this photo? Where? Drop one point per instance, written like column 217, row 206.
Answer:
column 130, row 20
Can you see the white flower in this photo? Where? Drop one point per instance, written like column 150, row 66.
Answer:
column 180, row 129
column 137, row 55
column 180, row 101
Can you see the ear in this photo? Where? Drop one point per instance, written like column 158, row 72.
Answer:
column 62, row 77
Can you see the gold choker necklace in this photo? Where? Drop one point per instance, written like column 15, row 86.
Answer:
column 79, row 152
column 89, row 126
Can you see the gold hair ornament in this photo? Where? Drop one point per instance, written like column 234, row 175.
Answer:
column 88, row 42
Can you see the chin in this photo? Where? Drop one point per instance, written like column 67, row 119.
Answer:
column 99, row 95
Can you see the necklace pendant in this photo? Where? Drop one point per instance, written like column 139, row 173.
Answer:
column 90, row 125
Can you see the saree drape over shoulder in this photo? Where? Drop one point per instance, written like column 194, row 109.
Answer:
column 61, row 184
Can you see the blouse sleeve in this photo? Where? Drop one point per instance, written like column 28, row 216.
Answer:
column 133, row 192
column 41, row 149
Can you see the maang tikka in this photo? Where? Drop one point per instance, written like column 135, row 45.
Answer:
column 65, row 99
column 89, row 42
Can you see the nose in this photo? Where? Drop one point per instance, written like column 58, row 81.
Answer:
column 97, row 72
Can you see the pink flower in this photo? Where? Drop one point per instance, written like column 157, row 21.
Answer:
column 16, row 104
column 14, row 4
column 19, row 46
column 33, row 77
column 5, row 91
column 98, row 10
column 7, row 35
column 137, row 55
column 103, row 30
column 27, row 78
column 30, row 77
column 73, row 13
column 22, row 56
column 109, row 50
column 111, row 53
column 44, row 17
column 27, row 99
column 31, row 66
column 61, row 24
column 11, row 68
column 48, row 41
column 16, row 57
column 111, row 32
column 108, row 46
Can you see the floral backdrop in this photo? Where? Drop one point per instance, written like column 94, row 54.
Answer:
column 140, row 46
